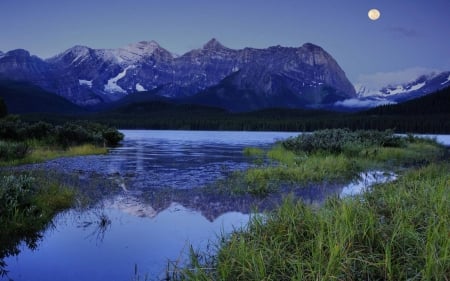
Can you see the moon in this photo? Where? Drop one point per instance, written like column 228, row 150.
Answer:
column 374, row 14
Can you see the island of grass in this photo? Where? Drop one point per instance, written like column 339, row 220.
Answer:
column 29, row 201
column 396, row 231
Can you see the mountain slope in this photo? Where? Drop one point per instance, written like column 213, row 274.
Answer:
column 417, row 87
column 23, row 97
column 437, row 103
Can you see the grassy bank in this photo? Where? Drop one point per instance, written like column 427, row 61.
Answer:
column 42, row 153
column 398, row 231
column 22, row 142
column 28, row 203
column 334, row 156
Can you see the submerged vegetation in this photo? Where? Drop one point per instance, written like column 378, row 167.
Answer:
column 397, row 231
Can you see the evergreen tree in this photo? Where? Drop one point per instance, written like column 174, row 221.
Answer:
column 3, row 108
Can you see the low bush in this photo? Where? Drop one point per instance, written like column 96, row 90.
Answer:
column 13, row 150
column 342, row 140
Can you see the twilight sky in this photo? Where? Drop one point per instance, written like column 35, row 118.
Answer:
column 411, row 36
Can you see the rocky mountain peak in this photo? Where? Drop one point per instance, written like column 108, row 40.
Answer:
column 213, row 44
column 72, row 54
column 19, row 53
column 312, row 47
column 143, row 47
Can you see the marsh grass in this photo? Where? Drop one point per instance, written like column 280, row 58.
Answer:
column 42, row 153
column 399, row 231
column 27, row 206
column 335, row 155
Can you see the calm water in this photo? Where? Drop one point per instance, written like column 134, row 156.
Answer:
column 153, row 215
column 150, row 206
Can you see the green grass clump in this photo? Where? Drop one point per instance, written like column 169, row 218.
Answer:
column 253, row 151
column 315, row 168
column 336, row 155
column 27, row 205
column 399, row 231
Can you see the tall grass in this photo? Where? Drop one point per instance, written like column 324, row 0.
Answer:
column 43, row 153
column 399, row 231
column 27, row 205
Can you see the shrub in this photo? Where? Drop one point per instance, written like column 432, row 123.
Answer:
column 15, row 192
column 39, row 130
column 3, row 108
column 12, row 150
column 342, row 140
column 112, row 137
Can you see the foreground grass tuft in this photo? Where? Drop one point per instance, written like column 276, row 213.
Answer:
column 399, row 231
column 27, row 206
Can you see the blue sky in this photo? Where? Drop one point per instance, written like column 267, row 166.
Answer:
column 411, row 35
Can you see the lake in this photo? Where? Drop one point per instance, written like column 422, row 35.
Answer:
column 148, row 205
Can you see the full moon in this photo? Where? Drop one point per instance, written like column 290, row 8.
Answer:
column 374, row 14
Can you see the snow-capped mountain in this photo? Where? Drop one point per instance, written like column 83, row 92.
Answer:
column 392, row 93
column 422, row 85
column 303, row 76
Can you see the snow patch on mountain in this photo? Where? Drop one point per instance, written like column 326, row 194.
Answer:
column 85, row 83
column 401, row 89
column 130, row 54
column 112, row 87
column 373, row 84
column 140, row 88
column 445, row 82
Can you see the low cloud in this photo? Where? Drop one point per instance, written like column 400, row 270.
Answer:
column 404, row 32
column 362, row 103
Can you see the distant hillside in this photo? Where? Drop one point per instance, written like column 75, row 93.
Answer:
column 23, row 97
column 432, row 104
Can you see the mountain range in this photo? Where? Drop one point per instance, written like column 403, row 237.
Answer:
column 214, row 75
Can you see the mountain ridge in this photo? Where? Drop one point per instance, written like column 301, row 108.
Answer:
column 89, row 76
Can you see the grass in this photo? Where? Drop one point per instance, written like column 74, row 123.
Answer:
column 28, row 203
column 334, row 155
column 42, row 153
column 399, row 231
